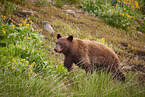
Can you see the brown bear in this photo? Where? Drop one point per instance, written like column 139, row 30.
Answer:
column 88, row 55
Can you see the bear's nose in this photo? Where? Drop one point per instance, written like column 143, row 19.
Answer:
column 55, row 49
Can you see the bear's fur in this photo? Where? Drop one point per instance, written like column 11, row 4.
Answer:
column 88, row 55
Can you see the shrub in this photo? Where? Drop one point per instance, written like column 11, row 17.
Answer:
column 118, row 15
column 24, row 43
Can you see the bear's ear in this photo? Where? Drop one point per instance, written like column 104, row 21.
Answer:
column 70, row 38
column 58, row 36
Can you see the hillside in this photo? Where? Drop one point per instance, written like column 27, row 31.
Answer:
column 128, row 44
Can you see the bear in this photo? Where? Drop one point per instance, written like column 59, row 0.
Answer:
column 88, row 55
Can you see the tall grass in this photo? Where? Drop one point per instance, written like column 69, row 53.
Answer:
column 36, row 85
column 97, row 84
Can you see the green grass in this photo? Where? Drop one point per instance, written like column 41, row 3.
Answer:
column 78, row 84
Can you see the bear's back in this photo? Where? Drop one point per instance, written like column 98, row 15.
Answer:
column 100, row 54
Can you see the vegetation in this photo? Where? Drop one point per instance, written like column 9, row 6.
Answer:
column 120, row 15
column 30, row 67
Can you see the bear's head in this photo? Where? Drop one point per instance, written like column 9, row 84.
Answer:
column 63, row 43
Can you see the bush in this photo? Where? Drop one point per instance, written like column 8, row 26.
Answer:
column 121, row 15
column 21, row 48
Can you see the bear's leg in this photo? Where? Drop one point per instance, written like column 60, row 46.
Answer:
column 68, row 62
column 87, row 65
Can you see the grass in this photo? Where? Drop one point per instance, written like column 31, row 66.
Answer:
column 78, row 84
column 32, row 68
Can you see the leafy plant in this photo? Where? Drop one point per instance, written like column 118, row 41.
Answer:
column 23, row 42
column 118, row 15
